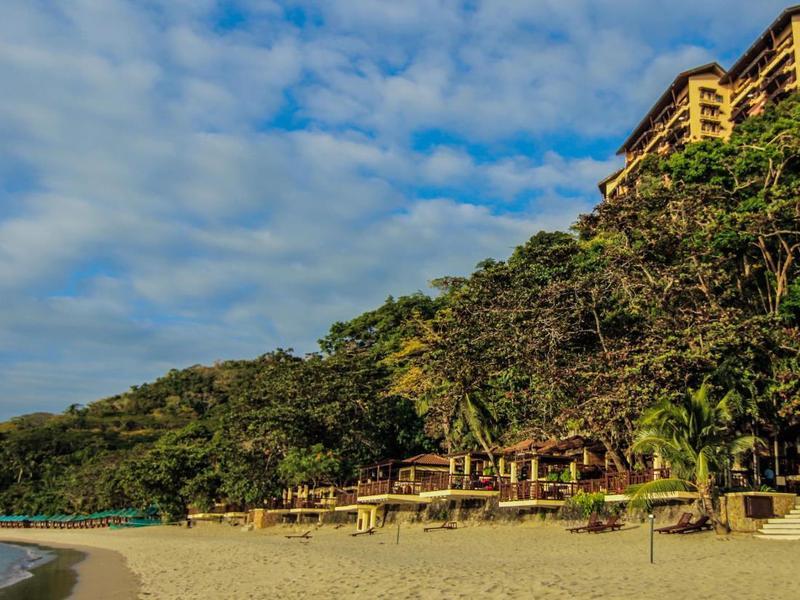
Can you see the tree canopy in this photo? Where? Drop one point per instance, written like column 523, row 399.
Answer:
column 691, row 277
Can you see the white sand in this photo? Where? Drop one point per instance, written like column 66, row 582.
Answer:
column 504, row 561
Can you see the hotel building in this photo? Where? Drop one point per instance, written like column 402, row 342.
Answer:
column 707, row 102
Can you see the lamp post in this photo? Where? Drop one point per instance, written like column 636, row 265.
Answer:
column 652, row 518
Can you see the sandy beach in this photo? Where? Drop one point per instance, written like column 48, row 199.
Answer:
column 505, row 561
column 102, row 574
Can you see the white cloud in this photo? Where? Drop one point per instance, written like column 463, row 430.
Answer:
column 172, row 191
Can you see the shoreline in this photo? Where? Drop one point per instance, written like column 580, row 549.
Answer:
column 102, row 574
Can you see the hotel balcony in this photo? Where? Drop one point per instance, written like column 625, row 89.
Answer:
column 751, row 92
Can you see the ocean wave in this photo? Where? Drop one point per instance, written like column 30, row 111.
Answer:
column 16, row 562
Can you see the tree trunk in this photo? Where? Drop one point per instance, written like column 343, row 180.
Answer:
column 617, row 459
column 707, row 504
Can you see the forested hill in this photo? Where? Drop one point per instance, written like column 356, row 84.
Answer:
column 692, row 276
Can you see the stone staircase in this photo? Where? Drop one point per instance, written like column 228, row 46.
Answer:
column 782, row 528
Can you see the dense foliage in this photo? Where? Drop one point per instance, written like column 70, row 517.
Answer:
column 694, row 437
column 692, row 277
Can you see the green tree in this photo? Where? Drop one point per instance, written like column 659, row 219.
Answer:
column 314, row 465
column 696, row 439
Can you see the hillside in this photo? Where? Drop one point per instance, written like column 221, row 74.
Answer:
column 692, row 276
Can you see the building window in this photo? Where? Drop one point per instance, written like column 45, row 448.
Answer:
column 710, row 95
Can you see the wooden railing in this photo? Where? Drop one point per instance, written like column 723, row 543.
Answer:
column 386, row 486
column 281, row 504
column 536, row 490
column 346, row 498
column 611, row 483
column 458, row 481
column 616, row 482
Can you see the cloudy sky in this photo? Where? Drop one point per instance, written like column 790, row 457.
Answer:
column 188, row 180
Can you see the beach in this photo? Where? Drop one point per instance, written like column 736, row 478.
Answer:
column 529, row 560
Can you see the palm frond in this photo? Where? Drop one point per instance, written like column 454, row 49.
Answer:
column 642, row 496
column 745, row 443
column 652, row 439
column 730, row 404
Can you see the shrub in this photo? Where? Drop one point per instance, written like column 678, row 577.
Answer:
column 581, row 505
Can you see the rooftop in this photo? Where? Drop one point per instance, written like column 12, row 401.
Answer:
column 678, row 84
column 753, row 51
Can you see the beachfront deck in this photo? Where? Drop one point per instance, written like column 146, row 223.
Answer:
column 459, row 485
column 614, row 483
column 391, row 491
column 300, row 506
column 347, row 500
column 470, row 475
column 540, row 493
column 399, row 481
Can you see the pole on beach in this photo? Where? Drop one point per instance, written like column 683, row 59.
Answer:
column 652, row 519
column 398, row 533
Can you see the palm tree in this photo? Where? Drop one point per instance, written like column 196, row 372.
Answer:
column 695, row 438
column 480, row 421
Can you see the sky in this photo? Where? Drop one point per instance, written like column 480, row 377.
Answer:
column 184, row 181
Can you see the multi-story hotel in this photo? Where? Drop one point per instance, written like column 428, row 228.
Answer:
column 707, row 102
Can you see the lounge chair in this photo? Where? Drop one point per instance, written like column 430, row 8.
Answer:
column 611, row 524
column 369, row 531
column 445, row 525
column 686, row 519
column 594, row 521
column 701, row 523
column 304, row 536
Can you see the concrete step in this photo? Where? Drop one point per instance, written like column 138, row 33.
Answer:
column 779, row 527
column 780, row 538
column 786, row 520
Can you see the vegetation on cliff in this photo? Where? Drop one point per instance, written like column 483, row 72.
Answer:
column 691, row 278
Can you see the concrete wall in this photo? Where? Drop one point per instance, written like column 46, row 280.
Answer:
column 732, row 510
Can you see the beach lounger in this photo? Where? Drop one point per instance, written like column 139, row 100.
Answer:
column 610, row 525
column 445, row 525
column 594, row 520
column 686, row 519
column 369, row 531
column 701, row 523
column 305, row 536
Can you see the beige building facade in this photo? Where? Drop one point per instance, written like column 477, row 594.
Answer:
column 707, row 102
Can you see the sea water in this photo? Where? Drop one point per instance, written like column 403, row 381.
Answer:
column 16, row 562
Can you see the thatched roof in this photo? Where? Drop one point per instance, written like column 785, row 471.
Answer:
column 567, row 447
column 428, row 460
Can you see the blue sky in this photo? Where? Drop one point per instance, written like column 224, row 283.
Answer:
column 190, row 180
